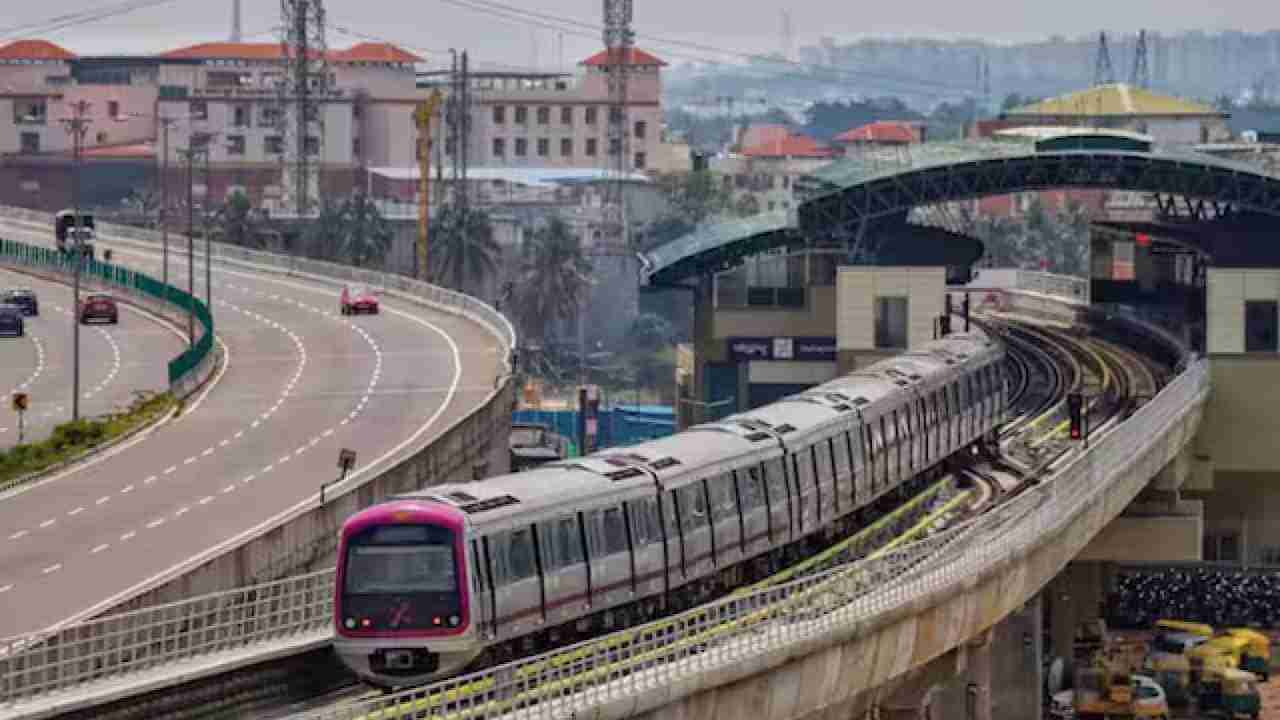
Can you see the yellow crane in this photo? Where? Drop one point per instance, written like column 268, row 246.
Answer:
column 422, row 117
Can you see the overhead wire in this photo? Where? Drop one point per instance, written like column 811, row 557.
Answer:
column 82, row 17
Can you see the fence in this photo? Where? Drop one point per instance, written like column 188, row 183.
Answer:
column 192, row 364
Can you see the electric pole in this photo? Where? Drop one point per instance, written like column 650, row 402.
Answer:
column 77, row 125
column 301, row 95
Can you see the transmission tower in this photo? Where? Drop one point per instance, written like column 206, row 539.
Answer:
column 788, row 35
column 235, row 21
column 1103, row 74
column 619, row 41
column 1141, row 76
column 301, row 94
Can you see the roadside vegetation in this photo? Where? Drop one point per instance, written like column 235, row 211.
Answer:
column 71, row 440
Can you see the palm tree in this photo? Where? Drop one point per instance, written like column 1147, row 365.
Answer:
column 368, row 235
column 554, row 277
column 463, row 251
column 238, row 224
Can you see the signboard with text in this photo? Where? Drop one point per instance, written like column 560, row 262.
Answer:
column 801, row 349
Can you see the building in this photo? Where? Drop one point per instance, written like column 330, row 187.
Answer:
column 882, row 133
column 1170, row 120
column 557, row 120
column 762, row 177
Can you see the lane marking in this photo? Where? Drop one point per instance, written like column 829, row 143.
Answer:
column 51, row 569
column 76, row 512
column 19, row 535
column 128, row 536
column 155, row 523
column 102, row 500
column 47, row 523
column 99, row 549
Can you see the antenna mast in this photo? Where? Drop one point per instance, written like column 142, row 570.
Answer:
column 1103, row 74
column 618, row 41
column 1141, row 76
column 235, row 21
column 301, row 93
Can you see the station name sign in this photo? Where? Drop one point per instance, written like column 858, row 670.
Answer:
column 803, row 349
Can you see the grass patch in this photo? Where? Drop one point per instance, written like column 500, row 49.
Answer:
column 74, row 438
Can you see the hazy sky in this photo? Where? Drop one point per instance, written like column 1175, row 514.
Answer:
column 435, row 25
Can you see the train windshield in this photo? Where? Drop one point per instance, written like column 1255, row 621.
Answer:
column 401, row 577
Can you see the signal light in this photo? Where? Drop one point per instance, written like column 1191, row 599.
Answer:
column 1075, row 407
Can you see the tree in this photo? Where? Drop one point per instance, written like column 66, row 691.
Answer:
column 325, row 237
column 694, row 197
column 239, row 224
column 368, row 234
column 651, row 332
column 463, row 251
column 554, row 276
column 747, row 205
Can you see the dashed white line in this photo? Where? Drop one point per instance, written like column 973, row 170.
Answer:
column 189, row 460
column 171, row 470
column 268, row 469
column 155, row 523
column 128, row 536
column 6, row 588
column 206, row 499
column 207, row 452
column 48, row 522
column 103, row 499
column 224, row 443
column 18, row 535
column 249, row 479
column 51, row 569
column 99, row 549
column 127, row 489
column 182, row 511
column 75, row 512
column 149, row 480
column 228, row 489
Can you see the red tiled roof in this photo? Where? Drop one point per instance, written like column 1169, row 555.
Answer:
column 760, row 134
column 363, row 52
column 790, row 146
column 885, row 131
column 376, row 52
column 35, row 50
column 637, row 57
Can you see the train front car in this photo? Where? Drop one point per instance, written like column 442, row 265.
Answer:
column 401, row 606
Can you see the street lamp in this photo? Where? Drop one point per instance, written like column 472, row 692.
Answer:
column 198, row 144
column 77, row 125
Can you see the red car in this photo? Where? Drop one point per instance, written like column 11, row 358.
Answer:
column 359, row 299
column 99, row 307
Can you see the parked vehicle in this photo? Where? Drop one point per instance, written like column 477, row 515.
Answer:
column 1257, row 654
column 1230, row 693
column 1106, row 692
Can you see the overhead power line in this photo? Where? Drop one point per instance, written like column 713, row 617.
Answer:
column 83, row 17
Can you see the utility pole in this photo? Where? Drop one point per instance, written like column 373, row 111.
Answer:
column 197, row 145
column 301, row 96
column 1141, row 75
column 1103, row 73
column 78, row 126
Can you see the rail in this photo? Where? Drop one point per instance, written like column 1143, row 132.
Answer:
column 186, row 371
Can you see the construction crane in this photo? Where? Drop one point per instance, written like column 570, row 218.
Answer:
column 422, row 117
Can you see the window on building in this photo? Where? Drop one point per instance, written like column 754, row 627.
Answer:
column 269, row 117
column 615, row 116
column 311, row 145
column 312, row 113
column 113, row 109
column 273, row 144
column 450, row 144
column 355, row 147
column 566, row 147
column 615, row 146
column 1260, row 318
column 30, row 142
column 641, row 160
column 499, row 147
column 589, row 116
column 566, row 115
column 499, row 114
column 240, row 115
column 235, row 144
column 198, row 110
column 544, row 147
column 522, row 115
column 641, row 128
column 30, row 112
column 592, row 145
column 891, row 322
column 772, row 206
column 544, row 116
column 522, row 147
column 786, row 182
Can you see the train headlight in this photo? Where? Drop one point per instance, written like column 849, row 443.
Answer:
column 454, row 620
column 351, row 623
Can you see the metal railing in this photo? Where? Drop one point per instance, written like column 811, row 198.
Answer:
column 121, row 279
column 626, row 666
column 156, row 637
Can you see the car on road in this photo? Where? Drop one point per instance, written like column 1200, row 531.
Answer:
column 11, row 322
column 359, row 299
column 24, row 298
column 98, row 306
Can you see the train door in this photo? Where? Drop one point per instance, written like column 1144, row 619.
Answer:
column 520, row 600
column 695, row 527
column 804, row 490
column 609, row 554
column 649, row 547
column 481, row 606
column 842, row 471
column 677, row 560
column 775, row 482
column 755, row 510
column 564, row 568
column 725, row 520
column 824, row 471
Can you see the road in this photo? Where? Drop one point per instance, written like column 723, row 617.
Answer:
column 117, row 361
column 301, row 382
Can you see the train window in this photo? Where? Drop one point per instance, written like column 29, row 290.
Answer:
column 775, row 480
column 615, row 531
column 520, row 561
column 644, row 522
column 561, row 543
column 669, row 514
column 822, row 459
column 693, row 507
column 477, row 570
column 751, row 487
column 723, row 503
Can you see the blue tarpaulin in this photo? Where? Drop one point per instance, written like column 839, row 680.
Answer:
column 620, row 425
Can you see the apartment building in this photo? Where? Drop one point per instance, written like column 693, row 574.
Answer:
column 762, row 177
column 539, row 120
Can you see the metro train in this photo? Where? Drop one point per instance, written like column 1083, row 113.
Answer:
column 463, row 575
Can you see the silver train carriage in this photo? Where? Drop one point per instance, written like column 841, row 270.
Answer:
column 521, row 562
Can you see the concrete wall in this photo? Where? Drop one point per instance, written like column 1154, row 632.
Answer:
column 1135, row 539
column 859, row 287
column 816, row 319
column 1242, row 413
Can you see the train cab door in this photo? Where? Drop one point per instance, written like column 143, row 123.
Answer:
column 564, row 568
column 519, row 599
column 480, row 607
column 609, row 554
column 648, row 546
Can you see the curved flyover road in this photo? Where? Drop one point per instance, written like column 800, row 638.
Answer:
column 301, row 382
column 117, row 361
